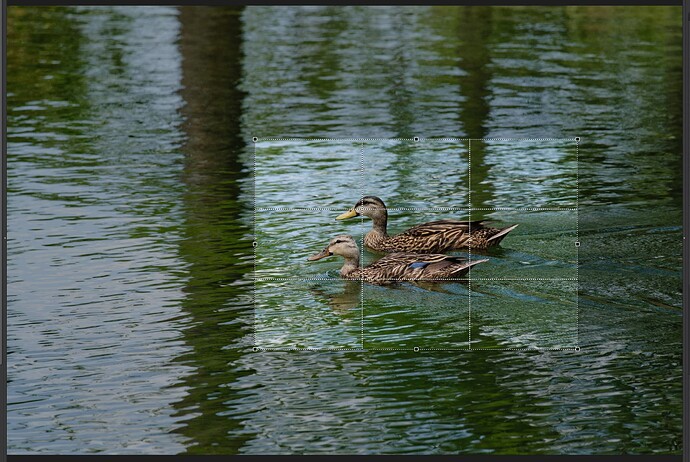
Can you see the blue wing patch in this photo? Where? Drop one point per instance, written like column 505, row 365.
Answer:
column 419, row 264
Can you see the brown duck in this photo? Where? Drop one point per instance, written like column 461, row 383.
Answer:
column 434, row 236
column 395, row 266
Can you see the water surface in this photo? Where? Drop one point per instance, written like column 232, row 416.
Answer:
column 131, row 220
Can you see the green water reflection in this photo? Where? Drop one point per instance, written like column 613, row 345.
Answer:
column 130, row 216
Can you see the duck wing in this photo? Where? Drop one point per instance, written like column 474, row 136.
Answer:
column 406, row 266
column 435, row 236
column 444, row 226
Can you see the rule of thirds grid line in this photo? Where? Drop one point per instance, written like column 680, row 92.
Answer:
column 469, row 247
column 424, row 209
column 577, row 243
column 416, row 349
column 415, row 139
column 254, row 245
column 361, row 248
column 279, row 279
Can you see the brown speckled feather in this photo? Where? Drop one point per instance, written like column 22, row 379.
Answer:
column 435, row 236
column 404, row 266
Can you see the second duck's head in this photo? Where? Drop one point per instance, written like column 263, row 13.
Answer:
column 343, row 245
column 369, row 206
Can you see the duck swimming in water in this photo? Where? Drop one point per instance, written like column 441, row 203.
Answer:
column 434, row 236
column 397, row 266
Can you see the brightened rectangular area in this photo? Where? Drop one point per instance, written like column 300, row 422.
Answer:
column 307, row 315
column 524, row 314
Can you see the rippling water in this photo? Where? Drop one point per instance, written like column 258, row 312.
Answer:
column 131, row 210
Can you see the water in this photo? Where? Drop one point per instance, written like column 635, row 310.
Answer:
column 130, row 216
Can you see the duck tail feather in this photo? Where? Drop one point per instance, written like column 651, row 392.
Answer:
column 476, row 262
column 498, row 237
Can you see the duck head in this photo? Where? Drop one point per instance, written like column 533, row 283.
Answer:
column 369, row 206
column 343, row 245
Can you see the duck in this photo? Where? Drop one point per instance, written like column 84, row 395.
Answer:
column 435, row 236
column 398, row 266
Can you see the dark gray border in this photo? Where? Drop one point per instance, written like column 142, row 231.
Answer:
column 353, row 2
column 686, row 228
column 391, row 458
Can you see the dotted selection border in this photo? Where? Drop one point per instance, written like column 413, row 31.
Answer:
column 469, row 209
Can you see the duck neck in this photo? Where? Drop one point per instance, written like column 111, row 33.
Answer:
column 350, row 267
column 380, row 223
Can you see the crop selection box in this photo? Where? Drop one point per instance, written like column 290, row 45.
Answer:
column 322, row 315
column 524, row 314
column 422, row 315
column 545, row 244
column 419, row 174
column 334, row 178
column 286, row 238
column 534, row 268
column 522, row 173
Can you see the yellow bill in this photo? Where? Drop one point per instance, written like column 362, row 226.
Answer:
column 349, row 214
